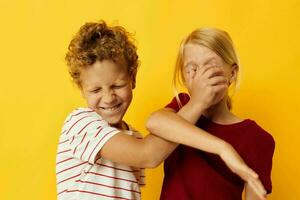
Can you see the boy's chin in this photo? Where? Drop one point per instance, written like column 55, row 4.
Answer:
column 116, row 124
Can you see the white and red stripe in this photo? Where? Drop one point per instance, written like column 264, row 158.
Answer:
column 79, row 175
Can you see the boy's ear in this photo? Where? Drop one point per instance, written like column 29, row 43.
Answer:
column 133, row 81
column 82, row 93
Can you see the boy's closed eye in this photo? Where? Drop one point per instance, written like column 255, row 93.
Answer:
column 118, row 86
column 96, row 90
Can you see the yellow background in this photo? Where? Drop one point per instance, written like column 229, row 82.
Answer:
column 37, row 94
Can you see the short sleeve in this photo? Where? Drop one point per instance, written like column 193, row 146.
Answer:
column 177, row 103
column 87, row 132
column 261, row 156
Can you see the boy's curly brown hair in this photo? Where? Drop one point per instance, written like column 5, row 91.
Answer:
column 98, row 42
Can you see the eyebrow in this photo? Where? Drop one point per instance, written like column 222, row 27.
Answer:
column 206, row 62
column 94, row 87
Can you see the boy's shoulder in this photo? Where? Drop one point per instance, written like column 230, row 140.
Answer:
column 81, row 112
column 82, row 116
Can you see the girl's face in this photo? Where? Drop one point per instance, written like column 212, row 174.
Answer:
column 196, row 56
column 107, row 88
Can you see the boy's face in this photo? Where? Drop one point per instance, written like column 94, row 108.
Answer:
column 107, row 88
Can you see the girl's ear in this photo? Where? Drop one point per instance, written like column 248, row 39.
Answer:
column 234, row 72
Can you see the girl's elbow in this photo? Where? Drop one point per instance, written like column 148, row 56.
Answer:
column 152, row 122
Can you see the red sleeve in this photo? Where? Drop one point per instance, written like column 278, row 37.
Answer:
column 174, row 104
column 260, row 157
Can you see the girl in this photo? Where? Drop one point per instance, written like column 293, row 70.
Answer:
column 207, row 57
column 99, row 155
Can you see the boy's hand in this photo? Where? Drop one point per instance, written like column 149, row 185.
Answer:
column 238, row 166
column 207, row 85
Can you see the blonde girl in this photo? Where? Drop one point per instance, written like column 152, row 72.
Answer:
column 207, row 63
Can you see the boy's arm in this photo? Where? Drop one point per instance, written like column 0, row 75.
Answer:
column 148, row 152
column 87, row 136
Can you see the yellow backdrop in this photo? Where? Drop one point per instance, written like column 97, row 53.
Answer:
column 37, row 94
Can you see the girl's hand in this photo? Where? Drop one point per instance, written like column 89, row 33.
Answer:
column 239, row 167
column 207, row 85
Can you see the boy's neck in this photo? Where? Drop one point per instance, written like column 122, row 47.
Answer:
column 122, row 126
column 221, row 114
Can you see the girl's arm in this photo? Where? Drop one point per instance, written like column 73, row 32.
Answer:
column 178, row 128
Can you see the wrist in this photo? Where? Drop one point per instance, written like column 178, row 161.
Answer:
column 191, row 112
column 196, row 106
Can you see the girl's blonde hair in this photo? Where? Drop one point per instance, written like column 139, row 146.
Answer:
column 215, row 39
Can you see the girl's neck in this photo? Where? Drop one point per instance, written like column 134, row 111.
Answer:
column 219, row 113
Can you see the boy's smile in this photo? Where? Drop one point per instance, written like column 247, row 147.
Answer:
column 107, row 88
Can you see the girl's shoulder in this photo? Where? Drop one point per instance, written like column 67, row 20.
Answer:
column 184, row 97
column 257, row 133
column 178, row 101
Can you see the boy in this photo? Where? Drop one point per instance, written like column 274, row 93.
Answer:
column 103, row 63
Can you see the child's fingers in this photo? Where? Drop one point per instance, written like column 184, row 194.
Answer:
column 260, row 186
column 219, row 88
column 257, row 190
column 217, row 80
column 213, row 71
column 202, row 70
column 256, row 183
column 190, row 80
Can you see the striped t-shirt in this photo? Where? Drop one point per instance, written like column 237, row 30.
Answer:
column 79, row 175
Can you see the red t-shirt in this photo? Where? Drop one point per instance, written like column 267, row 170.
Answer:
column 191, row 174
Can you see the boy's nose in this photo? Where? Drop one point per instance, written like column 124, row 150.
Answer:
column 109, row 97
